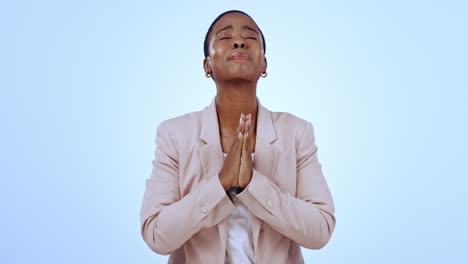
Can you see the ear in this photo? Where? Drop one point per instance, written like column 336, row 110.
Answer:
column 207, row 64
column 265, row 64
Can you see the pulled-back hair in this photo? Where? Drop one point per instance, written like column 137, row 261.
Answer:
column 206, row 43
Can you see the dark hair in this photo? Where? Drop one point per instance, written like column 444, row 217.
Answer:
column 205, row 44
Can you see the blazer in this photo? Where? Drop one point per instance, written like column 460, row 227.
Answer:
column 185, row 208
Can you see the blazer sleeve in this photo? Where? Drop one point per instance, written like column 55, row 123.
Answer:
column 307, row 218
column 168, row 220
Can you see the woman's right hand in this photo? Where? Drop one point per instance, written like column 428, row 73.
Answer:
column 229, row 173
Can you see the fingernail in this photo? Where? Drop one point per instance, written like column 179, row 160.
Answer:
column 240, row 135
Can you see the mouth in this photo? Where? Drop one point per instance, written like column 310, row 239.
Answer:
column 239, row 56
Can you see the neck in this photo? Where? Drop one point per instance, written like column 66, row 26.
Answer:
column 232, row 99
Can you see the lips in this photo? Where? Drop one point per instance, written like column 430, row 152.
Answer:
column 239, row 56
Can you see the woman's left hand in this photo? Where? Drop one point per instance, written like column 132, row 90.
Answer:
column 246, row 166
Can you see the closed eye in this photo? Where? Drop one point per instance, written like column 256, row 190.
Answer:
column 252, row 38
column 224, row 38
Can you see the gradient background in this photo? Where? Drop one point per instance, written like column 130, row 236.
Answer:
column 84, row 85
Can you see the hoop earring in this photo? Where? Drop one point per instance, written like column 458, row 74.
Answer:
column 208, row 74
column 264, row 74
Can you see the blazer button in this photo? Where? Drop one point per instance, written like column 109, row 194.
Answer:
column 204, row 209
column 270, row 203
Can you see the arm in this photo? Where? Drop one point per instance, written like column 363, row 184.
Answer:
column 307, row 218
column 167, row 220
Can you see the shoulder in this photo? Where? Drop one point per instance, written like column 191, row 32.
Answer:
column 183, row 129
column 292, row 130
column 178, row 124
column 290, row 123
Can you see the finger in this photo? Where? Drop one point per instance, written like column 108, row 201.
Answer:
column 236, row 139
column 236, row 144
column 245, row 151
column 246, row 136
column 240, row 144
column 242, row 138
column 251, row 127
column 239, row 126
column 239, row 129
column 244, row 127
column 249, row 149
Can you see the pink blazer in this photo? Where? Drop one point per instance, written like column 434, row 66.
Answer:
column 185, row 208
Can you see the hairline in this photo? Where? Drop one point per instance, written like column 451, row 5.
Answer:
column 210, row 29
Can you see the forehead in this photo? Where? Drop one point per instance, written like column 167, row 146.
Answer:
column 234, row 19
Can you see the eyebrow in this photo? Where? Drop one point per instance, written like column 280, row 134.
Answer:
column 230, row 27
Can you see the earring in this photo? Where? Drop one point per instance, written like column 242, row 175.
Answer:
column 264, row 74
column 208, row 74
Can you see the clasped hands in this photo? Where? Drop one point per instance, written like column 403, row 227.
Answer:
column 238, row 167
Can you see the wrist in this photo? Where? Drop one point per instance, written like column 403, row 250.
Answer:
column 226, row 186
column 223, row 182
column 239, row 189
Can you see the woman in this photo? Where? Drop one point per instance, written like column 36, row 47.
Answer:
column 235, row 182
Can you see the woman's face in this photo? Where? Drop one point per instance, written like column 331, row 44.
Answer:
column 235, row 49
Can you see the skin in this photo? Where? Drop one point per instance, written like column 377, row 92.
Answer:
column 236, row 85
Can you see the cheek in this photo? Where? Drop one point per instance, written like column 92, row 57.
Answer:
column 217, row 56
column 256, row 51
column 216, row 52
column 258, row 57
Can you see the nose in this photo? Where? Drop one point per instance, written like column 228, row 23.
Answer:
column 239, row 43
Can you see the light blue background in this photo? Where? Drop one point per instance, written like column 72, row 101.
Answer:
column 85, row 83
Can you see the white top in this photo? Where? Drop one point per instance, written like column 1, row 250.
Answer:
column 239, row 246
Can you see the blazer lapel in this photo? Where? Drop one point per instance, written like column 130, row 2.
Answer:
column 266, row 157
column 211, row 154
column 212, row 159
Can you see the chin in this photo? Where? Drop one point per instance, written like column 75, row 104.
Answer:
column 242, row 77
column 241, row 74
